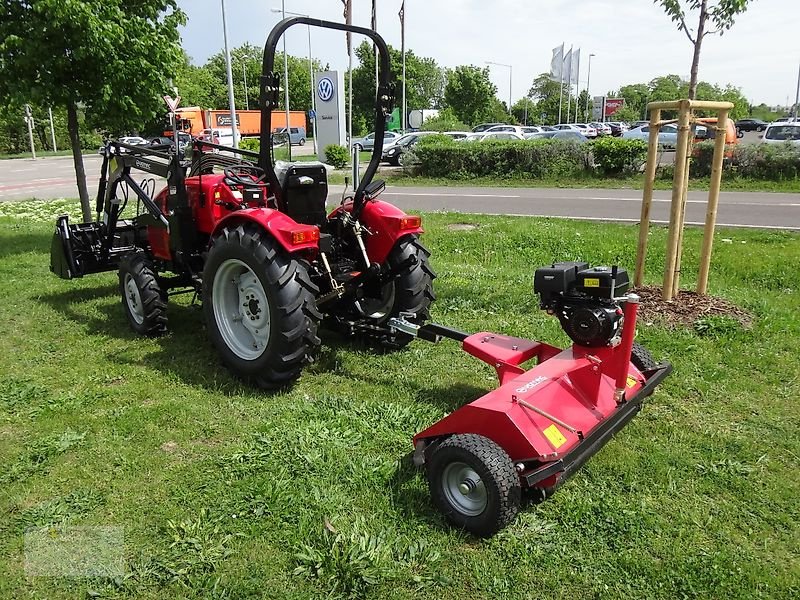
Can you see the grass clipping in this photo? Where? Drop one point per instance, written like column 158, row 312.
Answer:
column 690, row 309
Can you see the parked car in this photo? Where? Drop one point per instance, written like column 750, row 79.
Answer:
column 782, row 132
column 368, row 141
column 705, row 129
column 484, row 127
column 528, row 130
column 617, row 128
column 456, row 135
column 394, row 151
column 506, row 128
column 566, row 134
column 667, row 136
column 587, row 130
column 548, row 128
column 297, row 135
column 637, row 124
column 567, row 127
column 501, row 135
column 603, row 129
column 751, row 125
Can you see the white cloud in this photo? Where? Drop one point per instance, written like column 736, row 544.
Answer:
column 633, row 40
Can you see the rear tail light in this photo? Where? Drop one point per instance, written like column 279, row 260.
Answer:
column 305, row 236
column 410, row 222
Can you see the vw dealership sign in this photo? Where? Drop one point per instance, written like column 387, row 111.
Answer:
column 329, row 111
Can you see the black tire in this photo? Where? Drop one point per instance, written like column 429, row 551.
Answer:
column 760, row 128
column 302, row 141
column 492, row 502
column 285, row 288
column 641, row 358
column 396, row 160
column 143, row 301
column 411, row 292
column 358, row 147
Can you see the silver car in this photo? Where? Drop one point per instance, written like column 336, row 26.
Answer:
column 368, row 141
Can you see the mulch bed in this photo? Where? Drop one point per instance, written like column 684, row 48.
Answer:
column 686, row 308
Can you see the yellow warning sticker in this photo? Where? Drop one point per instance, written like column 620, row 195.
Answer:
column 591, row 282
column 632, row 381
column 555, row 436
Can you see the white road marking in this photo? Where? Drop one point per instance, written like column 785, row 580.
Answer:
column 434, row 194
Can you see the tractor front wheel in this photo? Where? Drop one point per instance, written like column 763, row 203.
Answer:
column 474, row 484
column 143, row 301
column 410, row 292
column 260, row 307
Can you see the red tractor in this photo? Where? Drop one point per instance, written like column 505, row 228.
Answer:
column 259, row 247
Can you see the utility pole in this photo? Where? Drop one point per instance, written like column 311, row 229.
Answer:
column 244, row 77
column 52, row 129
column 402, row 15
column 231, row 99
column 797, row 95
column 29, row 121
column 286, row 84
column 588, row 83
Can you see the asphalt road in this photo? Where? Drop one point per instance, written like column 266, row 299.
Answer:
column 55, row 178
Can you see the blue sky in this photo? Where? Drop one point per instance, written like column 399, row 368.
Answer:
column 633, row 40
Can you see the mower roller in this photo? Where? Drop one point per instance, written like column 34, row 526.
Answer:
column 542, row 424
column 254, row 242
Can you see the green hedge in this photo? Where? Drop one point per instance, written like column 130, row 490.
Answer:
column 770, row 162
column 522, row 159
column 617, row 156
column 337, row 156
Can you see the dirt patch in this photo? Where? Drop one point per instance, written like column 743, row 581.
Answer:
column 462, row 227
column 169, row 446
column 687, row 308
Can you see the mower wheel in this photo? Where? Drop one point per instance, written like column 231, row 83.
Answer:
column 641, row 358
column 143, row 301
column 474, row 484
column 410, row 292
column 260, row 307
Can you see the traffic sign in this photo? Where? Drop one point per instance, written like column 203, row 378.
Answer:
column 312, row 114
column 172, row 103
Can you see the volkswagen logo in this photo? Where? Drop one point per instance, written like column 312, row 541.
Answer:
column 325, row 89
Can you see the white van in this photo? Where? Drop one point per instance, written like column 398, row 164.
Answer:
column 218, row 135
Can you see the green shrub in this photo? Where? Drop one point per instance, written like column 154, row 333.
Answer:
column 534, row 159
column 336, row 156
column 252, row 144
column 773, row 162
column 616, row 156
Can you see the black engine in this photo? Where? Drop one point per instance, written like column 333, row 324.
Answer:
column 584, row 300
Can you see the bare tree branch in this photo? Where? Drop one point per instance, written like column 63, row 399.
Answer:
column 687, row 31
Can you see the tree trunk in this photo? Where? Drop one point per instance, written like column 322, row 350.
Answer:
column 77, row 159
column 697, row 44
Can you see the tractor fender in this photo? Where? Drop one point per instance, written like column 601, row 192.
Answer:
column 291, row 235
column 387, row 224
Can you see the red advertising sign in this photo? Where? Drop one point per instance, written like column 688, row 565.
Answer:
column 613, row 105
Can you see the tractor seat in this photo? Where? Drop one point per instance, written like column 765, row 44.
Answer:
column 305, row 191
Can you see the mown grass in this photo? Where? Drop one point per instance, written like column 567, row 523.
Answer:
column 226, row 491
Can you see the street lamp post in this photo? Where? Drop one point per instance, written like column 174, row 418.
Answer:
column 797, row 96
column 310, row 72
column 286, row 82
column 588, row 83
column 510, row 71
column 244, row 78
column 231, row 99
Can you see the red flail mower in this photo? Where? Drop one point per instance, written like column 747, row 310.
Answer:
column 542, row 424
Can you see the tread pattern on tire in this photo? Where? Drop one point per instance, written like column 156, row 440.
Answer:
column 641, row 358
column 298, row 317
column 152, row 297
column 498, row 475
column 414, row 292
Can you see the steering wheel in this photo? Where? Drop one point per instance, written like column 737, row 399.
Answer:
column 245, row 174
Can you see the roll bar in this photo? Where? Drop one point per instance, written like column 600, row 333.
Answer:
column 270, row 93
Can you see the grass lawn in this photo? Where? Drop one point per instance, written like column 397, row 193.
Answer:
column 221, row 490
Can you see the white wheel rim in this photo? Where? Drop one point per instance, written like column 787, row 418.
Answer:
column 377, row 308
column 133, row 299
column 464, row 489
column 241, row 309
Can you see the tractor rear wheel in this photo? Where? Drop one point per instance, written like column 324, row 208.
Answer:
column 410, row 292
column 260, row 307
column 143, row 301
column 474, row 484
